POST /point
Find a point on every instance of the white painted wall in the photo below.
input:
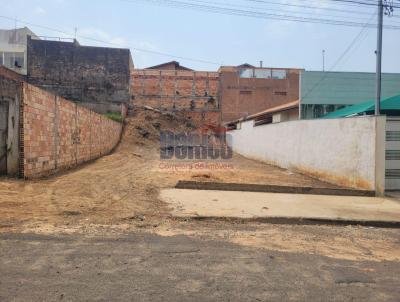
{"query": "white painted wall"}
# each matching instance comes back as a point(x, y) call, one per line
point(347, 151)
point(285, 116)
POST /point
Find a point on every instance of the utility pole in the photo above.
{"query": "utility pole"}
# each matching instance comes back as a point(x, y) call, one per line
point(387, 6)
point(323, 60)
point(379, 59)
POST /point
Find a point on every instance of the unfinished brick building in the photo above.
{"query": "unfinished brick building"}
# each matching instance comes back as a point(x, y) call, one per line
point(86, 74)
point(246, 90)
point(171, 87)
point(233, 91)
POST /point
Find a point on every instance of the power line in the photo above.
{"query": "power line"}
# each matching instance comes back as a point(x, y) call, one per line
point(361, 3)
point(356, 2)
point(356, 38)
point(249, 13)
point(338, 3)
point(287, 11)
point(222, 10)
point(110, 43)
point(360, 41)
point(311, 7)
point(316, 7)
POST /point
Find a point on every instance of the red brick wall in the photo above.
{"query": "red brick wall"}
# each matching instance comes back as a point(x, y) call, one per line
point(57, 134)
point(11, 74)
point(175, 89)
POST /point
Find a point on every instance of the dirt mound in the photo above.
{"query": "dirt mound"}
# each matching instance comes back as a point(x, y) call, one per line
point(143, 126)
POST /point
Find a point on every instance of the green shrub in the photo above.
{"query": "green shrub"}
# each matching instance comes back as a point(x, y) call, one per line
point(115, 116)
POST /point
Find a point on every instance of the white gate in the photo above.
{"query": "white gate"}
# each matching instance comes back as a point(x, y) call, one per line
point(392, 154)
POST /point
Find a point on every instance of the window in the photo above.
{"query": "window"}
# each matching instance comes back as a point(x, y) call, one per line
point(8, 59)
point(246, 73)
point(262, 73)
point(12, 59)
point(263, 120)
point(247, 92)
point(19, 60)
point(329, 108)
point(279, 74)
point(283, 93)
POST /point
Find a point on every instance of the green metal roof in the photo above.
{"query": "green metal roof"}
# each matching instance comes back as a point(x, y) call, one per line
point(392, 103)
point(344, 88)
point(389, 104)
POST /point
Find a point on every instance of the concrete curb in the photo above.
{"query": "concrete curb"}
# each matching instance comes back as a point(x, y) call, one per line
point(195, 185)
point(299, 221)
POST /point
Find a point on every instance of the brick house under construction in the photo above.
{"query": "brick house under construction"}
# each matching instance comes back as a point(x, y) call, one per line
point(214, 97)
point(172, 87)
point(245, 90)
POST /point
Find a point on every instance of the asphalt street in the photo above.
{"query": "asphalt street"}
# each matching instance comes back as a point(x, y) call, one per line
point(147, 267)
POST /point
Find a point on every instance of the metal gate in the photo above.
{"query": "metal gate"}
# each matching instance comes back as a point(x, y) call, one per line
point(3, 136)
point(392, 154)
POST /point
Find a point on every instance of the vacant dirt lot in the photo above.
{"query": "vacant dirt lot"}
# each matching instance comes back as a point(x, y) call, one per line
point(119, 193)
point(123, 185)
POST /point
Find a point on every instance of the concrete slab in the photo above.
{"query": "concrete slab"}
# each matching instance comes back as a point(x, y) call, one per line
point(248, 187)
point(272, 206)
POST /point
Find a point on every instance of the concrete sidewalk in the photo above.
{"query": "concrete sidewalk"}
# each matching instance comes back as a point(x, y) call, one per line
point(284, 207)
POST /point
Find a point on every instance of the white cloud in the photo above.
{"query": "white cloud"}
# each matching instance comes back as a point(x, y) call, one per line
point(39, 11)
point(139, 48)
point(105, 38)
point(143, 59)
point(147, 45)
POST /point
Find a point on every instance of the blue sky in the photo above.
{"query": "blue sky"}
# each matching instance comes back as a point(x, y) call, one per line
point(222, 39)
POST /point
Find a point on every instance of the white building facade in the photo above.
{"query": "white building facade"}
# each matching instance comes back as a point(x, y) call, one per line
point(13, 48)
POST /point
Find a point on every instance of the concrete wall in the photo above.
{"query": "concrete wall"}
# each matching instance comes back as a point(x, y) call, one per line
point(346, 152)
point(80, 73)
point(11, 93)
point(13, 136)
point(58, 134)
point(3, 136)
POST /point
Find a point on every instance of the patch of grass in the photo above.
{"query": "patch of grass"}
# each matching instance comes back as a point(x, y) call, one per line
point(115, 116)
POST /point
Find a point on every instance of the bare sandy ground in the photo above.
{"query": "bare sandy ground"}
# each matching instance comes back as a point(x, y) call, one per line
point(122, 185)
